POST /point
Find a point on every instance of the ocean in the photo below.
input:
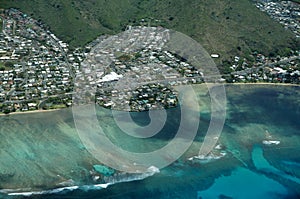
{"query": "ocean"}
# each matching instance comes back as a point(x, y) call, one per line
point(42, 152)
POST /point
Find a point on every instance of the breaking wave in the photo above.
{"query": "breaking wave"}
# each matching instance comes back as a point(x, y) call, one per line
point(118, 178)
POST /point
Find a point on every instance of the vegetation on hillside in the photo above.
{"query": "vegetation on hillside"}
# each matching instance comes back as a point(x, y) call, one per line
point(226, 27)
point(296, 1)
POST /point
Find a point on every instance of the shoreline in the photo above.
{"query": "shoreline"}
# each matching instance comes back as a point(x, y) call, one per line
point(239, 83)
point(29, 112)
point(263, 83)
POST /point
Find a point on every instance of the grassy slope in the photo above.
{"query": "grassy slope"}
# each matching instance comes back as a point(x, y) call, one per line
point(296, 1)
point(219, 25)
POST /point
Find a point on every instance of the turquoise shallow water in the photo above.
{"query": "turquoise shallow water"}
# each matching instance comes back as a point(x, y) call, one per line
point(39, 151)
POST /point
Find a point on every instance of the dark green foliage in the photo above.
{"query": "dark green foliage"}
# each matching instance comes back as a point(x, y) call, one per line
point(227, 27)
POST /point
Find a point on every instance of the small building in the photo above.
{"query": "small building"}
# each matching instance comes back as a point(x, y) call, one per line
point(215, 55)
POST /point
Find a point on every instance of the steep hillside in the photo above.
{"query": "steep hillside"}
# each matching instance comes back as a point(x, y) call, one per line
point(227, 27)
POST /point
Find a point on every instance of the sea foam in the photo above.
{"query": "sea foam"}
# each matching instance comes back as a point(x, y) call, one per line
point(119, 178)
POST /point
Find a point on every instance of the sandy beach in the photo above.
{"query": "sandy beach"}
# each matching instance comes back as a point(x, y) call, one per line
point(210, 84)
point(264, 83)
point(28, 112)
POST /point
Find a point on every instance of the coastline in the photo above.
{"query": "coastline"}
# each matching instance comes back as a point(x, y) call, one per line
point(263, 83)
point(29, 112)
point(50, 138)
point(211, 84)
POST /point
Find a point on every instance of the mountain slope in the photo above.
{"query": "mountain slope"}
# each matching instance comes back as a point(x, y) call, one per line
point(227, 27)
